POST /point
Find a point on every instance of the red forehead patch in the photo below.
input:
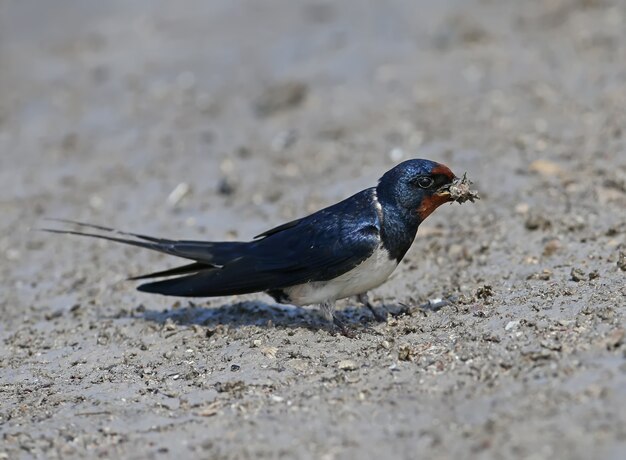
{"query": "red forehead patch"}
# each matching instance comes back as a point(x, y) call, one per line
point(442, 169)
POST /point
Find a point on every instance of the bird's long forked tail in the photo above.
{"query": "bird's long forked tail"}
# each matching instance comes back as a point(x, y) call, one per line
point(200, 251)
point(218, 268)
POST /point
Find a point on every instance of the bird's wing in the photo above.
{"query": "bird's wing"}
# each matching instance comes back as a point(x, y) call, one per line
point(278, 229)
point(303, 253)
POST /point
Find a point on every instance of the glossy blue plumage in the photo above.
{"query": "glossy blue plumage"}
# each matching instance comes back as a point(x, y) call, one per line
point(329, 245)
point(318, 247)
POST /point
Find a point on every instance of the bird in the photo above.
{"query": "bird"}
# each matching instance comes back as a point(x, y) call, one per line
point(341, 251)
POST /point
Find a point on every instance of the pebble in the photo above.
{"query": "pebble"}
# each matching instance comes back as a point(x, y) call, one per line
point(545, 168)
point(227, 186)
point(537, 222)
point(621, 261)
point(405, 353)
point(347, 365)
point(577, 274)
point(179, 192)
point(96, 201)
point(551, 247)
point(269, 352)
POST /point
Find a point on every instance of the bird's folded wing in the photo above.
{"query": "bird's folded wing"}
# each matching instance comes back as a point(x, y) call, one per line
point(295, 257)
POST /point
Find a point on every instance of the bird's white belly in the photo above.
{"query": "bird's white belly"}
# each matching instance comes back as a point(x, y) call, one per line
point(371, 273)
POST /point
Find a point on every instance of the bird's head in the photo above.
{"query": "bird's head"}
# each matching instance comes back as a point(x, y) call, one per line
point(416, 187)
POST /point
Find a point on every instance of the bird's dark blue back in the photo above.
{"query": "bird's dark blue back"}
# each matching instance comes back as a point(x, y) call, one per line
point(343, 234)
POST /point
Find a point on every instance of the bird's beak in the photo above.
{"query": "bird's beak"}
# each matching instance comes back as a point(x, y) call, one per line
point(444, 191)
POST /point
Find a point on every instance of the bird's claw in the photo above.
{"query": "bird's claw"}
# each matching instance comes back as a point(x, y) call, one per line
point(381, 317)
point(344, 329)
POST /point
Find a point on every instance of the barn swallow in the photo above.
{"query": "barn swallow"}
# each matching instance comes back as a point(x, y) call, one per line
point(340, 251)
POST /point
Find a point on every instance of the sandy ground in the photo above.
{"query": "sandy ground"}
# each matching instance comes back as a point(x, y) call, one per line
point(259, 112)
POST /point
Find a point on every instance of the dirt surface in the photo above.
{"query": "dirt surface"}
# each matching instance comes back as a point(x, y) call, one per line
point(217, 120)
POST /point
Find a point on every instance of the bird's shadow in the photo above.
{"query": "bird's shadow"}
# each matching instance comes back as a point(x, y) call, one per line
point(261, 314)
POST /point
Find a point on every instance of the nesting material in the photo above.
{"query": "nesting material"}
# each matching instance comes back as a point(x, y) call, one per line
point(461, 192)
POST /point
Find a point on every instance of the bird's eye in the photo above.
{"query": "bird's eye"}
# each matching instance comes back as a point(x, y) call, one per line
point(424, 181)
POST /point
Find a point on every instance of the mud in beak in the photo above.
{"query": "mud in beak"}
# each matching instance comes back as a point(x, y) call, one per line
point(458, 190)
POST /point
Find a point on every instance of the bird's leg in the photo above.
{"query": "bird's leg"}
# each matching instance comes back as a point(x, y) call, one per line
point(328, 311)
point(344, 329)
point(364, 299)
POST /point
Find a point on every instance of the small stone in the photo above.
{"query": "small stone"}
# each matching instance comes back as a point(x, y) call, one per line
point(567, 322)
point(227, 186)
point(484, 292)
point(434, 304)
point(53, 315)
point(621, 261)
point(96, 201)
point(543, 275)
point(210, 410)
point(347, 365)
point(522, 208)
point(545, 168)
point(577, 274)
point(405, 353)
point(537, 222)
point(235, 368)
point(179, 192)
point(512, 325)
point(269, 352)
point(551, 247)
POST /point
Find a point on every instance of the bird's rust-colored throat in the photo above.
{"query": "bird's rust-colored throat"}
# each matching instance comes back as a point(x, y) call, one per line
point(430, 203)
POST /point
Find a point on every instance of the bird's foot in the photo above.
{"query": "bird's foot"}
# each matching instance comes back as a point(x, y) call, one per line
point(344, 329)
point(378, 316)
point(381, 317)
point(352, 332)
point(404, 310)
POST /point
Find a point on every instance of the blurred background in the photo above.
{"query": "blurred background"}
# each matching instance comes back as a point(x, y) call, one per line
point(219, 119)
point(109, 106)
